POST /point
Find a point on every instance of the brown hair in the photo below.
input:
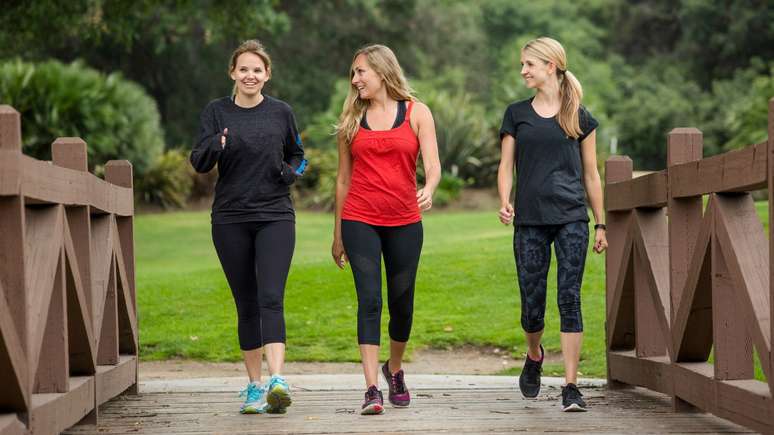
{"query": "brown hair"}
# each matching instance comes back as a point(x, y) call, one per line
point(250, 46)
point(384, 63)
point(570, 90)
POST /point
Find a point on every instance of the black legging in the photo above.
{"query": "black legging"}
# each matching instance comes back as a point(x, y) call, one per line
point(401, 246)
point(256, 258)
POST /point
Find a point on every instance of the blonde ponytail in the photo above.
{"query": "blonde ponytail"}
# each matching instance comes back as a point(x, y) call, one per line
point(570, 90)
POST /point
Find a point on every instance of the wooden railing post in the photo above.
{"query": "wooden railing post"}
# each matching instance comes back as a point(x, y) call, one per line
point(617, 168)
point(15, 393)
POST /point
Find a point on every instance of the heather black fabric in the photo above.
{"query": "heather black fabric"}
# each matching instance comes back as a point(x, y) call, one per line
point(256, 167)
point(549, 170)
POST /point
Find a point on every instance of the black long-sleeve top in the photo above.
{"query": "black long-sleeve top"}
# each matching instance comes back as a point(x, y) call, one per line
point(256, 167)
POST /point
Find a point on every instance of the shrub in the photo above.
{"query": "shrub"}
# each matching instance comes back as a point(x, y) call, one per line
point(115, 116)
point(167, 182)
point(317, 188)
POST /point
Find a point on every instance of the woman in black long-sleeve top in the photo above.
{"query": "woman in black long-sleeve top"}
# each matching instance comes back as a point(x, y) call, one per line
point(254, 141)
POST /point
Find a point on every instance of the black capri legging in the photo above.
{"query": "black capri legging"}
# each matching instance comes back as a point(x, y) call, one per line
point(401, 246)
point(532, 249)
point(256, 258)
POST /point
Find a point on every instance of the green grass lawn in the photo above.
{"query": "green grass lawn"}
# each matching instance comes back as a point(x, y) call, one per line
point(466, 292)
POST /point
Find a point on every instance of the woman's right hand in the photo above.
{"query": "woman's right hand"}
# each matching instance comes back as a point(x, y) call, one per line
point(506, 214)
point(223, 138)
point(339, 256)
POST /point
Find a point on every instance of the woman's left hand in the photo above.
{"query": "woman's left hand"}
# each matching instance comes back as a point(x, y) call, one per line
point(424, 199)
point(600, 241)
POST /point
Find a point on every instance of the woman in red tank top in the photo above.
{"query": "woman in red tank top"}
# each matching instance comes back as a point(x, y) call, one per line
point(381, 131)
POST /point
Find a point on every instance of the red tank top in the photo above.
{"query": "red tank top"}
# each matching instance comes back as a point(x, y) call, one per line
point(383, 187)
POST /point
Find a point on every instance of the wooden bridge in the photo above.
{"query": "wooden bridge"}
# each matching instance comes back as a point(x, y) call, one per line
point(686, 284)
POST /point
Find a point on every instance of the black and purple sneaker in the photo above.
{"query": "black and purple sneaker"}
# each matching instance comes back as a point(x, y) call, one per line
point(399, 395)
point(374, 403)
point(529, 380)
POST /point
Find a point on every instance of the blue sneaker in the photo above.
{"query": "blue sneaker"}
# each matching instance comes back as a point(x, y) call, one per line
point(278, 395)
point(255, 399)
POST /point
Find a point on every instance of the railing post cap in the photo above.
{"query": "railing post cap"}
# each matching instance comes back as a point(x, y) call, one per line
point(6, 109)
point(119, 172)
point(70, 152)
point(10, 128)
point(685, 130)
point(618, 158)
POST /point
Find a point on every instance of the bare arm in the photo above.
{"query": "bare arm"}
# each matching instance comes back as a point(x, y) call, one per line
point(428, 146)
point(593, 185)
point(343, 179)
point(505, 178)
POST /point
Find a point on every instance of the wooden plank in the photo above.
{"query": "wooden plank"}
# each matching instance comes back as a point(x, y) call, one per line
point(113, 380)
point(13, 369)
point(10, 172)
point(82, 347)
point(101, 249)
point(127, 316)
point(620, 315)
point(52, 368)
point(10, 425)
point(743, 243)
point(685, 214)
point(653, 373)
point(107, 353)
point(10, 128)
point(651, 267)
point(47, 183)
point(746, 402)
point(735, 171)
point(41, 254)
point(733, 349)
point(648, 191)
point(770, 163)
point(692, 326)
point(693, 384)
point(55, 412)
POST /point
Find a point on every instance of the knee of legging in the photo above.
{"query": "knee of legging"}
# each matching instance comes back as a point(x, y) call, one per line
point(272, 303)
point(369, 305)
point(248, 312)
point(569, 306)
point(532, 324)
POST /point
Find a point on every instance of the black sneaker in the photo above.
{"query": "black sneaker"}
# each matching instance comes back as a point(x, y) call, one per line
point(571, 399)
point(529, 380)
point(373, 403)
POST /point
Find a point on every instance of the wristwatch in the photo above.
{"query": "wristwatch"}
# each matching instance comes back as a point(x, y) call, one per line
point(600, 226)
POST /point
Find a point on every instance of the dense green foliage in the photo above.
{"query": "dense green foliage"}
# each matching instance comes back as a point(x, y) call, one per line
point(646, 67)
point(114, 116)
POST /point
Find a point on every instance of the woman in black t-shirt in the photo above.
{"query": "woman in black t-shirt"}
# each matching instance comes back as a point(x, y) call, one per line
point(551, 139)
point(254, 141)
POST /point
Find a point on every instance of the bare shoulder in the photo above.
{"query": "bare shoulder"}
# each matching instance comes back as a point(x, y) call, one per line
point(421, 109)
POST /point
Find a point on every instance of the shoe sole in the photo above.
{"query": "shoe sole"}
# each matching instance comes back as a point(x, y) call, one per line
point(251, 410)
point(373, 409)
point(574, 408)
point(279, 400)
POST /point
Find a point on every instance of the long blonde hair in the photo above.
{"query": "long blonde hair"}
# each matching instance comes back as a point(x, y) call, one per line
point(385, 64)
point(570, 90)
point(249, 46)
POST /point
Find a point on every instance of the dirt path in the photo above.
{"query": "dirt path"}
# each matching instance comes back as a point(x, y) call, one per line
point(461, 361)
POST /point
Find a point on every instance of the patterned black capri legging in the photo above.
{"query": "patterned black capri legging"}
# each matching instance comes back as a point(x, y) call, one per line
point(532, 250)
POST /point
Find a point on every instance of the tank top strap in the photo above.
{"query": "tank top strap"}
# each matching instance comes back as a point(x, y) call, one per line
point(408, 110)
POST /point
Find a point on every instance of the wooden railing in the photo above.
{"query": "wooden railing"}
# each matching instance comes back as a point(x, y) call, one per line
point(685, 281)
point(68, 324)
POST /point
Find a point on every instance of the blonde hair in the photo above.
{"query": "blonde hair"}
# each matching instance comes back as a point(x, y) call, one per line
point(385, 64)
point(249, 46)
point(570, 90)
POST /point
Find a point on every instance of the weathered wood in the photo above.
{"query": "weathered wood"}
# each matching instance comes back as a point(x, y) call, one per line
point(13, 368)
point(742, 241)
point(692, 325)
point(735, 171)
point(12, 265)
point(112, 380)
point(10, 129)
point(747, 402)
point(733, 346)
point(693, 383)
point(79, 320)
point(108, 338)
point(53, 413)
point(10, 425)
point(53, 369)
point(770, 164)
point(651, 372)
point(683, 145)
point(651, 272)
point(647, 191)
point(620, 313)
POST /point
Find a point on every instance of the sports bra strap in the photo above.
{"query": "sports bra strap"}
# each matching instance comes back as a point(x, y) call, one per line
point(408, 110)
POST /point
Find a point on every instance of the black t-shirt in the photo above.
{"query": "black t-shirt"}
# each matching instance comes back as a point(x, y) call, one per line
point(549, 187)
point(255, 169)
